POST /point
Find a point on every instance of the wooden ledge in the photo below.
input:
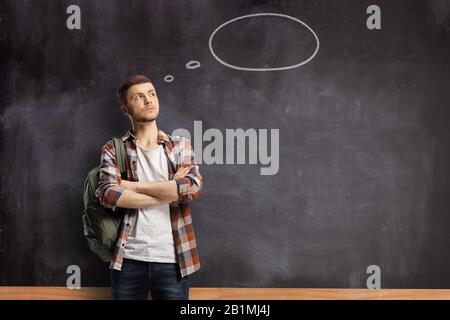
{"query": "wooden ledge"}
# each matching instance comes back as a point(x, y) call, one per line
point(104, 293)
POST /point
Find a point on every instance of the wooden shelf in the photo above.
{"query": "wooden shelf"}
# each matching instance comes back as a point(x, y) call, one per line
point(104, 293)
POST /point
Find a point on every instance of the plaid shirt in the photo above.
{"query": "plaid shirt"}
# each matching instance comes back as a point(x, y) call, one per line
point(179, 154)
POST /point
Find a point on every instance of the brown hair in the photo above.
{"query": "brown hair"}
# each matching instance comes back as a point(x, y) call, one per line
point(131, 81)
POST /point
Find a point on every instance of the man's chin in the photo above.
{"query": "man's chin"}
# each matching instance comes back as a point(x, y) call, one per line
point(145, 119)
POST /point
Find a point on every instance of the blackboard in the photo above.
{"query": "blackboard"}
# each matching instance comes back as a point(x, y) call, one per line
point(363, 175)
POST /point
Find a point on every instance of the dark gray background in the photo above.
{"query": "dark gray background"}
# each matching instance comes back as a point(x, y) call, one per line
point(364, 130)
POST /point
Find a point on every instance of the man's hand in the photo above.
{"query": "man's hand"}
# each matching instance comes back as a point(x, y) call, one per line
point(130, 185)
point(181, 172)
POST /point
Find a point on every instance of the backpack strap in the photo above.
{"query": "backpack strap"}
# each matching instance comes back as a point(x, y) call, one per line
point(120, 156)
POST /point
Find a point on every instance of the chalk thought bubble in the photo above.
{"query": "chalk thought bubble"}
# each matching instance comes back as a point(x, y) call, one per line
point(191, 65)
point(243, 68)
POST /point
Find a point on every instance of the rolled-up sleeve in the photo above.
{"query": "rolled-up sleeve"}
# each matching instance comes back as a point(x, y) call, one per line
point(190, 186)
point(109, 190)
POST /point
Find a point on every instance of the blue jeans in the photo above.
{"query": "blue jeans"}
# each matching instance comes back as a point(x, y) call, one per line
point(138, 277)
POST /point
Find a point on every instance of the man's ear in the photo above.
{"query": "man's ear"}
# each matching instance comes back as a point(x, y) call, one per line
point(124, 110)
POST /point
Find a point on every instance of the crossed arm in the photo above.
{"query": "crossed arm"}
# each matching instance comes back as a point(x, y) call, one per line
point(141, 194)
point(114, 192)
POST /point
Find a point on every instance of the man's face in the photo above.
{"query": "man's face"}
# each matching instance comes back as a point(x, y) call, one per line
point(142, 103)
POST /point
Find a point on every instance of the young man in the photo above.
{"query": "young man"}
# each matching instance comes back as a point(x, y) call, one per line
point(156, 248)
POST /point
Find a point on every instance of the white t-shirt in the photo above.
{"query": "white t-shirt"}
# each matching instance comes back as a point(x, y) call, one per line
point(152, 239)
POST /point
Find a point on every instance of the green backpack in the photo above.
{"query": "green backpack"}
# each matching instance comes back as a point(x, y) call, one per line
point(101, 224)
